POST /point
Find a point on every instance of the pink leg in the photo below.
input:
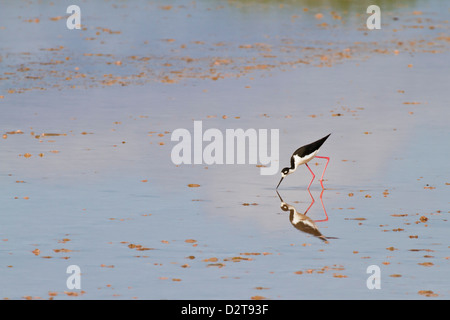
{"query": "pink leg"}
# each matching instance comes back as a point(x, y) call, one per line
point(321, 178)
point(312, 174)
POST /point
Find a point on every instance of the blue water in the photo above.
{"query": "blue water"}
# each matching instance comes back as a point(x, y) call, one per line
point(109, 183)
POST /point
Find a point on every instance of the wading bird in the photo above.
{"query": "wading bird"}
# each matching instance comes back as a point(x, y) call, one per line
point(302, 156)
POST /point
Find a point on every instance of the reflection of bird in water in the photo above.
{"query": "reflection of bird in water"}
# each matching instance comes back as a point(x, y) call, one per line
point(301, 221)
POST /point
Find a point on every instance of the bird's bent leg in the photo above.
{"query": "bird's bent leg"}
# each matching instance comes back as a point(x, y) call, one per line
point(321, 178)
point(312, 175)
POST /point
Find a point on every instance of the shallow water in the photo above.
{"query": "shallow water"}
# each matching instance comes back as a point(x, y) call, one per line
point(105, 195)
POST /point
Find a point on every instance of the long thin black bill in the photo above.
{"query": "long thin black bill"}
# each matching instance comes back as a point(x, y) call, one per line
point(279, 182)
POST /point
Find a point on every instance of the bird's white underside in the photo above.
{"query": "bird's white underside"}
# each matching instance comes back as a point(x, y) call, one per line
point(302, 160)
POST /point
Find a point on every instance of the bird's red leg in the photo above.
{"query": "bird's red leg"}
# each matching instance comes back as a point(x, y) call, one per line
point(312, 174)
point(321, 178)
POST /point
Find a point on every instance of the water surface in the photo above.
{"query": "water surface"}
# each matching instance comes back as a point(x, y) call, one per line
point(103, 193)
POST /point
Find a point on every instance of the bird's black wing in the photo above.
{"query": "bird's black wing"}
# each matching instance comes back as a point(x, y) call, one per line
point(309, 148)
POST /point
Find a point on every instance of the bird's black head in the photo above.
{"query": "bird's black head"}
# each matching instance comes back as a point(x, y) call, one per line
point(284, 172)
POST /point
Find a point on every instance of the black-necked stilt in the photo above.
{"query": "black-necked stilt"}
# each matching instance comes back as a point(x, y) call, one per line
point(302, 156)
